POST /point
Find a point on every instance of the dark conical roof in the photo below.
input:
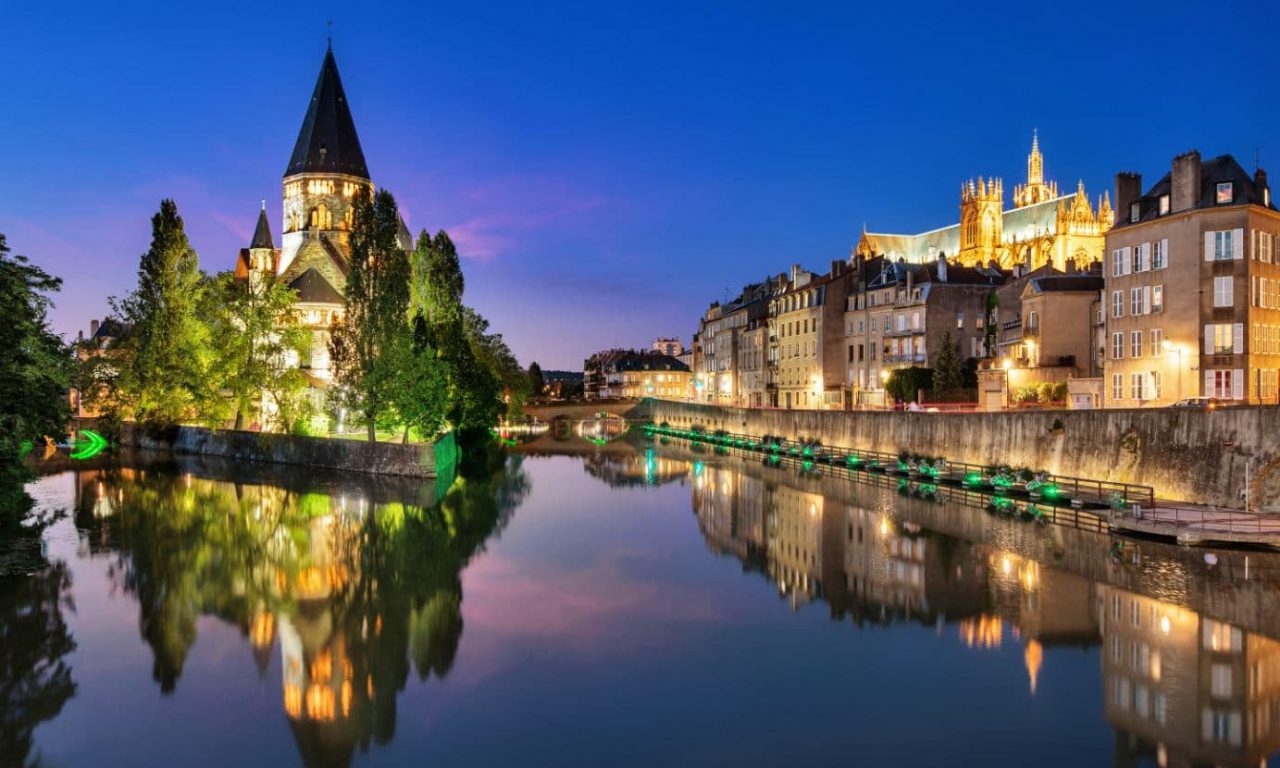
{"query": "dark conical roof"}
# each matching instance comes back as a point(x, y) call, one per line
point(327, 142)
point(262, 233)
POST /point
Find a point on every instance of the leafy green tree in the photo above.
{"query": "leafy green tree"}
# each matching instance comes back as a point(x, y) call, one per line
point(166, 378)
point(35, 369)
point(253, 322)
point(459, 335)
point(536, 382)
point(904, 384)
point(947, 378)
point(422, 390)
point(369, 349)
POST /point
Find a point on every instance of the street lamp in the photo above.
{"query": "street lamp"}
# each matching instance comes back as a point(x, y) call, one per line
point(1170, 346)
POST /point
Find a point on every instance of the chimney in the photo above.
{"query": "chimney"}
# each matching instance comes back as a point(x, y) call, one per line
point(93, 328)
point(942, 267)
point(1128, 192)
point(837, 268)
point(795, 273)
point(1185, 192)
point(911, 279)
point(1261, 188)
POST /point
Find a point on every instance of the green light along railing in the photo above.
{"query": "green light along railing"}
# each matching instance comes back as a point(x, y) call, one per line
point(1052, 489)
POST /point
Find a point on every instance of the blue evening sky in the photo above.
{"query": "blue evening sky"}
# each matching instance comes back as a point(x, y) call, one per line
point(607, 168)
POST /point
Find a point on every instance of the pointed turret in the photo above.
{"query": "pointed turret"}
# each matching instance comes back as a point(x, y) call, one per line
point(327, 142)
point(262, 233)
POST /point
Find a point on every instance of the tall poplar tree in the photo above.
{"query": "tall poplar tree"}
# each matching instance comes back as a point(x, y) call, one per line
point(457, 333)
point(166, 376)
point(372, 344)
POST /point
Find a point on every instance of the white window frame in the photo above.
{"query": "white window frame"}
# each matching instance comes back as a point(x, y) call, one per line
point(1224, 291)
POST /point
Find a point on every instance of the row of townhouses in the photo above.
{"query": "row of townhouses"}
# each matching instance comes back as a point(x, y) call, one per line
point(1174, 293)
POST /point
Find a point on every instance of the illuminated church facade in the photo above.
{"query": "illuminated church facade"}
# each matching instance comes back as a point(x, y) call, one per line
point(1043, 226)
point(326, 172)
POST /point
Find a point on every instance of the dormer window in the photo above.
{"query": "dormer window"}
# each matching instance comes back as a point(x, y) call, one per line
point(1225, 193)
point(1164, 204)
point(1135, 210)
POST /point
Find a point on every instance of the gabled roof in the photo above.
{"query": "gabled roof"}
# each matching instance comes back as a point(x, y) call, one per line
point(327, 142)
point(262, 234)
point(312, 288)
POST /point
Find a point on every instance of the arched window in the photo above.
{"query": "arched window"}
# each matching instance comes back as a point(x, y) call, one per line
point(315, 217)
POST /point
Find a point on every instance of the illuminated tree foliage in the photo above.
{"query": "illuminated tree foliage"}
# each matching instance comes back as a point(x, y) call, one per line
point(486, 378)
point(35, 371)
point(373, 345)
point(252, 321)
point(166, 373)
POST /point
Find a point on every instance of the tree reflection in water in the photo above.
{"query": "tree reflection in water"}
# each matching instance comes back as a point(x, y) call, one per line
point(35, 678)
point(357, 579)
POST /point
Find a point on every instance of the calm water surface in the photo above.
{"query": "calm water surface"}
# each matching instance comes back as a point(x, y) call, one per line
point(637, 605)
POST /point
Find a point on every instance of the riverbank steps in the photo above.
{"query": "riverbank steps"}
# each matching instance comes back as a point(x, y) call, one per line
point(413, 460)
point(1198, 456)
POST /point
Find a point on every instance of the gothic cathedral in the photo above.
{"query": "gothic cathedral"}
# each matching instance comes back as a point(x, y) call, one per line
point(1043, 227)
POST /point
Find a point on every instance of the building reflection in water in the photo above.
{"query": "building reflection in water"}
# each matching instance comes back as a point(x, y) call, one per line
point(1181, 688)
point(355, 586)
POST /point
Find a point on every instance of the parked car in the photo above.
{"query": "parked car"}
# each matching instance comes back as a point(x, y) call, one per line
point(1204, 403)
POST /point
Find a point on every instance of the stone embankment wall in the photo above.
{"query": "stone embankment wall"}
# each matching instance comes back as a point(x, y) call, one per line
point(1188, 455)
point(352, 455)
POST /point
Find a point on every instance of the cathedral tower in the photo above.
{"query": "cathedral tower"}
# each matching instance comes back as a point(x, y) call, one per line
point(325, 172)
point(1035, 190)
point(981, 222)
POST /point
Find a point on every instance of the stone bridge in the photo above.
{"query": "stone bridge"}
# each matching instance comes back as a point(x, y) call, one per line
point(631, 410)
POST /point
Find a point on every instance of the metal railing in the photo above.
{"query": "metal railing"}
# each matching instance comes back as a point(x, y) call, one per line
point(1080, 490)
point(1072, 516)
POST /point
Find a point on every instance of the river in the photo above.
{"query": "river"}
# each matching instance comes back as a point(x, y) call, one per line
point(639, 603)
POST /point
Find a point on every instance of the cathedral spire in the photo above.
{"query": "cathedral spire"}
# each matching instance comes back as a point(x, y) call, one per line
point(262, 233)
point(327, 142)
point(1035, 161)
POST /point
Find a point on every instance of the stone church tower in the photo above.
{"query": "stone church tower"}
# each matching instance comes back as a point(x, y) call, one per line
point(325, 173)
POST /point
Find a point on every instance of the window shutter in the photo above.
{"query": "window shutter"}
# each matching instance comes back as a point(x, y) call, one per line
point(1208, 339)
point(1208, 246)
point(1128, 256)
point(1237, 384)
point(1253, 245)
point(1144, 257)
point(1208, 384)
point(1237, 244)
point(1253, 290)
point(1164, 252)
point(1237, 338)
point(1146, 300)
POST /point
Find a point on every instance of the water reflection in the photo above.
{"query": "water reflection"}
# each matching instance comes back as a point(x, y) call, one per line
point(1190, 663)
point(356, 586)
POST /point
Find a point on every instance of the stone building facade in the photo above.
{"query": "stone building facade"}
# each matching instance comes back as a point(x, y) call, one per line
point(806, 338)
point(1193, 287)
point(898, 315)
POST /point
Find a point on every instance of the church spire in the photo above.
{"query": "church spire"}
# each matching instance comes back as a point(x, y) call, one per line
point(262, 233)
point(327, 142)
point(1035, 161)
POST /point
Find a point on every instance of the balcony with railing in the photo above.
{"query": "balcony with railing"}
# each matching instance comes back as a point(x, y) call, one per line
point(918, 358)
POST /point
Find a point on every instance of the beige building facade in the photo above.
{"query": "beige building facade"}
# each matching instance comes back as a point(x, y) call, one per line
point(1193, 287)
point(806, 321)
